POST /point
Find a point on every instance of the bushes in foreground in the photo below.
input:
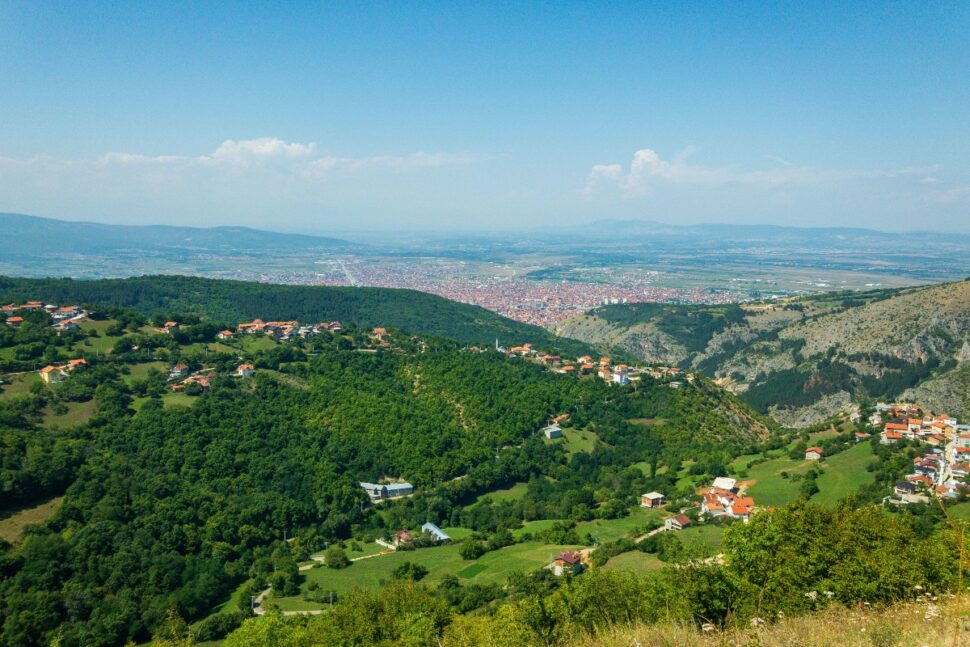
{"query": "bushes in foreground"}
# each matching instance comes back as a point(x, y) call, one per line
point(783, 564)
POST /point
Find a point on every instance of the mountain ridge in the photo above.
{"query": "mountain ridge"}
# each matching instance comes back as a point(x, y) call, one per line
point(38, 236)
point(805, 359)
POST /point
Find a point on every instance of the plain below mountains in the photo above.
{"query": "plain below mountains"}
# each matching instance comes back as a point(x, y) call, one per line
point(804, 360)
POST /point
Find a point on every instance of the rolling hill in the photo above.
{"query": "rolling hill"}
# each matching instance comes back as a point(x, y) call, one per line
point(235, 301)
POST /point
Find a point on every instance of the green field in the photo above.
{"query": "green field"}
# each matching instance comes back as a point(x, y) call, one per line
point(91, 324)
point(440, 561)
point(959, 511)
point(708, 536)
point(634, 561)
point(644, 467)
point(576, 440)
point(845, 473)
point(456, 533)
point(513, 493)
point(77, 413)
point(178, 399)
point(140, 371)
point(534, 526)
point(611, 529)
point(366, 548)
point(252, 344)
point(601, 529)
point(15, 385)
point(219, 347)
point(741, 462)
point(770, 489)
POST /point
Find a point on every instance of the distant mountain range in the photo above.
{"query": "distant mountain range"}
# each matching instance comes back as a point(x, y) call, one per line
point(35, 237)
point(832, 237)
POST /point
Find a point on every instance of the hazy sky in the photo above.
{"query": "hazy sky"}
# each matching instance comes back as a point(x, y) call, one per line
point(334, 116)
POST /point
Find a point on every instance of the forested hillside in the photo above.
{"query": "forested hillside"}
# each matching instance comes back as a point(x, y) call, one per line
point(235, 301)
point(804, 360)
point(174, 498)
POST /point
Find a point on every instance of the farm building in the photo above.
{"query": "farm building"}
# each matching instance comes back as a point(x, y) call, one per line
point(381, 491)
point(552, 431)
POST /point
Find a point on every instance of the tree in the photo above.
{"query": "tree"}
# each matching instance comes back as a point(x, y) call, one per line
point(335, 557)
point(409, 571)
point(471, 549)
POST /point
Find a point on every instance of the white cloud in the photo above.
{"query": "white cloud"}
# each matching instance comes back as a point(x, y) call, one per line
point(649, 172)
point(302, 159)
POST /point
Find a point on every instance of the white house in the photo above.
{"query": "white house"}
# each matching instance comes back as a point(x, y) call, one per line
point(724, 483)
point(676, 522)
point(652, 500)
point(552, 431)
point(813, 453)
point(437, 533)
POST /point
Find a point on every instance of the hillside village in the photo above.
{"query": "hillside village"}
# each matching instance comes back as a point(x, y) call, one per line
point(943, 467)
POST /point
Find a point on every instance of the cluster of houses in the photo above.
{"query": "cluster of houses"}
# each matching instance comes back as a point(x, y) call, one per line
point(62, 317)
point(603, 367)
point(656, 500)
point(944, 465)
point(180, 376)
point(284, 330)
point(54, 373)
point(724, 499)
point(907, 422)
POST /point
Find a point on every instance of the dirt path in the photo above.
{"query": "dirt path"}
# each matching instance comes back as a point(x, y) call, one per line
point(637, 540)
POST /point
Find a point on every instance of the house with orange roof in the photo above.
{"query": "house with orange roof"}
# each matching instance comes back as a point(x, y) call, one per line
point(568, 561)
point(15, 322)
point(814, 453)
point(890, 437)
point(244, 370)
point(75, 364)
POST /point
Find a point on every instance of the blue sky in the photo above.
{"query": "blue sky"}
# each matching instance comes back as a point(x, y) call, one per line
point(335, 116)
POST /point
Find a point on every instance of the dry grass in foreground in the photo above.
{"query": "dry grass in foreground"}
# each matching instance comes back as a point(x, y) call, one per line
point(934, 624)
